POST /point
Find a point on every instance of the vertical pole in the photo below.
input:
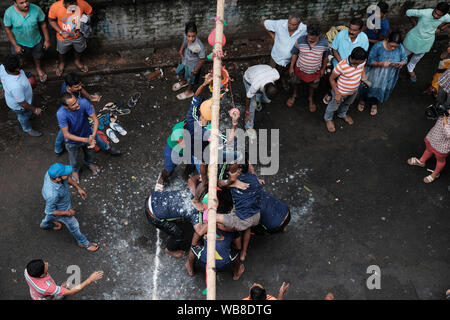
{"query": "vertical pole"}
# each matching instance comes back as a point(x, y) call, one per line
point(213, 157)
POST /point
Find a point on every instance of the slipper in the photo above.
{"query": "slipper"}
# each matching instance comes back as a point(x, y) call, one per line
point(117, 127)
point(103, 113)
point(120, 112)
point(258, 106)
point(110, 106)
point(89, 245)
point(43, 77)
point(330, 126)
point(361, 107)
point(131, 104)
point(184, 96)
point(94, 169)
point(177, 86)
point(110, 133)
point(77, 180)
point(327, 99)
point(136, 97)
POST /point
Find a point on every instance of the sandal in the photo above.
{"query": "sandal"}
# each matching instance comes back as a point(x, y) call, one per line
point(89, 246)
point(117, 127)
point(290, 102)
point(429, 179)
point(361, 107)
point(184, 96)
point(136, 97)
point(159, 186)
point(177, 86)
point(76, 179)
point(373, 110)
point(111, 134)
point(415, 162)
point(94, 169)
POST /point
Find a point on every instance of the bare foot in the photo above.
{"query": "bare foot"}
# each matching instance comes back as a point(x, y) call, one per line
point(242, 256)
point(312, 106)
point(175, 254)
point(189, 268)
point(240, 272)
point(57, 226)
point(59, 69)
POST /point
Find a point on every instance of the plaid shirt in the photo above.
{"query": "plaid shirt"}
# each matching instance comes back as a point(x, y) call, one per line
point(444, 81)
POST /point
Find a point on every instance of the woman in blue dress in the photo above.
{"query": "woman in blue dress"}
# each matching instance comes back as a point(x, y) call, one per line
point(386, 58)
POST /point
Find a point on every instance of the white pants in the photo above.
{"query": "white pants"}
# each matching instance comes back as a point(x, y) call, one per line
point(414, 59)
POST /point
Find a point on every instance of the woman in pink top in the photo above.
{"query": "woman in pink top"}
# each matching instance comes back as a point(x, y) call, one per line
point(437, 143)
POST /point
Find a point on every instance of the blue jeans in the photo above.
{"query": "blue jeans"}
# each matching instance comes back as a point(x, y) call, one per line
point(71, 224)
point(74, 152)
point(24, 118)
point(341, 108)
point(169, 165)
point(59, 143)
point(259, 97)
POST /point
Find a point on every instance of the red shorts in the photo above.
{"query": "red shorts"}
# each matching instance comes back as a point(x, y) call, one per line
point(310, 78)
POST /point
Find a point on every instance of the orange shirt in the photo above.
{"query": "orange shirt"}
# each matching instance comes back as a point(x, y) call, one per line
point(69, 18)
point(349, 77)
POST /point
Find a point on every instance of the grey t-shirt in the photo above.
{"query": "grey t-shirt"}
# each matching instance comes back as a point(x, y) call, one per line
point(193, 53)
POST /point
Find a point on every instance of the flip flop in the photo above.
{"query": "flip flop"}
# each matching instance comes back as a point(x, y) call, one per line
point(120, 112)
point(117, 127)
point(136, 97)
point(77, 180)
point(177, 86)
point(131, 104)
point(184, 96)
point(110, 106)
point(110, 133)
point(94, 169)
point(373, 110)
point(89, 245)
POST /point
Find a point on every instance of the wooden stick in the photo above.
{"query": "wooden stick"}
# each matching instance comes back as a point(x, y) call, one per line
point(213, 156)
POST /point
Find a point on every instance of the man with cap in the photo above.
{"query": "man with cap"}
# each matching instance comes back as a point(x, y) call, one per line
point(58, 204)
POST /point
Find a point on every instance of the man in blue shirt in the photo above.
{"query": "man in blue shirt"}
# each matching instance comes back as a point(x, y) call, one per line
point(275, 215)
point(22, 21)
point(72, 84)
point(344, 43)
point(73, 120)
point(18, 93)
point(58, 205)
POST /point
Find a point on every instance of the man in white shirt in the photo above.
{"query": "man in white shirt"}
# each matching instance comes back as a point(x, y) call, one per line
point(284, 34)
point(259, 86)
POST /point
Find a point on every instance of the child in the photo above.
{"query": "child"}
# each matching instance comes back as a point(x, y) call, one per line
point(192, 54)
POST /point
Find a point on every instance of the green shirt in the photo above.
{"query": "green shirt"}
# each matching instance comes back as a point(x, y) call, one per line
point(25, 29)
point(175, 136)
point(420, 39)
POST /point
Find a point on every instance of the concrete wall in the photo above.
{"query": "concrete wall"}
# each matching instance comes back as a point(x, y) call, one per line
point(144, 23)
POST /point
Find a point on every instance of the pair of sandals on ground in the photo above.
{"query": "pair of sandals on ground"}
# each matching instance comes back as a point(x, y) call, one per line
point(184, 95)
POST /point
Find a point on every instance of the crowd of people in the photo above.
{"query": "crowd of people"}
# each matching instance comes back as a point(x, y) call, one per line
point(365, 64)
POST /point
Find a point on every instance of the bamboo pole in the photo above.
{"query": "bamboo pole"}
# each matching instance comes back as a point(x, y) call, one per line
point(212, 169)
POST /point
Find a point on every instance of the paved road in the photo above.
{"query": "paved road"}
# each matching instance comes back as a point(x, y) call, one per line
point(354, 202)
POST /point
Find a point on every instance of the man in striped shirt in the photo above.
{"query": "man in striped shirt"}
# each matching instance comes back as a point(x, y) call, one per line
point(345, 80)
point(308, 63)
point(43, 287)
